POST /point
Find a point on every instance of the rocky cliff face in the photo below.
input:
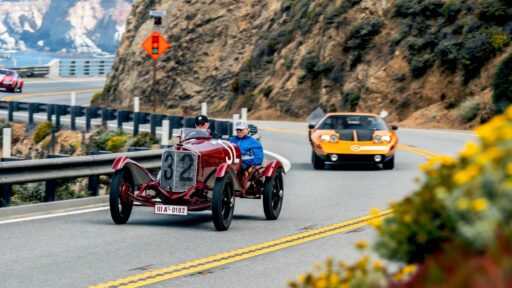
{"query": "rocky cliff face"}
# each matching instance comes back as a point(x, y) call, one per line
point(64, 25)
point(425, 62)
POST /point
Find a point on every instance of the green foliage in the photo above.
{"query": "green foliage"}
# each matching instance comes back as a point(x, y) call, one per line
point(502, 85)
point(362, 33)
point(420, 64)
point(468, 110)
point(44, 129)
point(116, 143)
point(494, 11)
point(451, 10)
point(98, 139)
point(288, 63)
point(144, 139)
point(267, 91)
point(448, 54)
point(27, 193)
point(499, 39)
point(476, 51)
point(351, 100)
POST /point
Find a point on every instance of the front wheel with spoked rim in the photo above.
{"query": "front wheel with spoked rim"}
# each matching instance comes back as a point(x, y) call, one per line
point(120, 202)
point(273, 192)
point(223, 202)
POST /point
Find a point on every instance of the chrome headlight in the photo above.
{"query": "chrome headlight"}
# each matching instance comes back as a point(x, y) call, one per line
point(325, 138)
point(334, 138)
point(386, 138)
point(377, 139)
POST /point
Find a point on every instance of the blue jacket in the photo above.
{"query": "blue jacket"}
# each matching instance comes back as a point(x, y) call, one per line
point(252, 151)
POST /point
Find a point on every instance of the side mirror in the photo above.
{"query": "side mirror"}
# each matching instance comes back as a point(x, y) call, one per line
point(311, 126)
point(394, 127)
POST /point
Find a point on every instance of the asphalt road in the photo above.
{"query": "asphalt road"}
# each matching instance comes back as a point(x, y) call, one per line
point(86, 249)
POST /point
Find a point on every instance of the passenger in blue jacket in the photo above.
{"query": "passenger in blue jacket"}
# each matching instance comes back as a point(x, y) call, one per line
point(252, 151)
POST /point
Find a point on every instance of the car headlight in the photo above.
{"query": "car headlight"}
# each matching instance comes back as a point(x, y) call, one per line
point(7, 82)
point(325, 138)
point(383, 138)
point(386, 138)
point(334, 138)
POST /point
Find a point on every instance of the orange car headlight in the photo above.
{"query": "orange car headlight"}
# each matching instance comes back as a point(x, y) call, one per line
point(382, 139)
point(328, 138)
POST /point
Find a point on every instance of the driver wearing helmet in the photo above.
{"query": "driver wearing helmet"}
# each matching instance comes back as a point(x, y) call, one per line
point(202, 123)
point(251, 149)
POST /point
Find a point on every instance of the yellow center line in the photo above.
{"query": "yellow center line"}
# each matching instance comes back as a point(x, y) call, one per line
point(10, 98)
point(240, 254)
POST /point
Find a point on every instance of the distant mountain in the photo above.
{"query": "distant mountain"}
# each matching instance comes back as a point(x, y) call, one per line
point(82, 26)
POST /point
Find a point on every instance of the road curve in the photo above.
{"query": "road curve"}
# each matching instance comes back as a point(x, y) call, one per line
point(79, 250)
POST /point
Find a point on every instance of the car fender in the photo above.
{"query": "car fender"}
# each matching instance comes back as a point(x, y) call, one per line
point(140, 174)
point(272, 167)
point(224, 169)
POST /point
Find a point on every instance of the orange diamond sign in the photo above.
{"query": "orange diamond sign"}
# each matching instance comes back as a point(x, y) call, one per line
point(155, 45)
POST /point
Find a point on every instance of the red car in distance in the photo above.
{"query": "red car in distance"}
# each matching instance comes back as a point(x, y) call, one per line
point(10, 80)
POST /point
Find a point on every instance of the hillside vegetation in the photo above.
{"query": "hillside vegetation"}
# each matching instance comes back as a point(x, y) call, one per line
point(428, 62)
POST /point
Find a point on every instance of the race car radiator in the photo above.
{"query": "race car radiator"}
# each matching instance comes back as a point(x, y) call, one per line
point(179, 170)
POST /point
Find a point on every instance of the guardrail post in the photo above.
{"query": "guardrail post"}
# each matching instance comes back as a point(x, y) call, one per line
point(190, 122)
point(72, 116)
point(244, 114)
point(136, 121)
point(236, 117)
point(155, 121)
point(10, 111)
point(93, 185)
point(165, 133)
point(6, 145)
point(204, 109)
point(5, 194)
point(32, 108)
point(50, 108)
point(176, 123)
point(50, 190)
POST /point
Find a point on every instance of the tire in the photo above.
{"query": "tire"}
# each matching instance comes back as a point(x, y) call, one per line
point(120, 204)
point(318, 163)
point(390, 164)
point(273, 192)
point(223, 203)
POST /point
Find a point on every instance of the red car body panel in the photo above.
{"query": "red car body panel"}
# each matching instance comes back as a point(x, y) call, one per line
point(10, 80)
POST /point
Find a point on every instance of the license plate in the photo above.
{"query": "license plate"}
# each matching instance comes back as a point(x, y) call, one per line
point(171, 210)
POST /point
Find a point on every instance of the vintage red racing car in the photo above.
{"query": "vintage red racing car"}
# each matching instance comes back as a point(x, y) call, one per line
point(10, 80)
point(197, 174)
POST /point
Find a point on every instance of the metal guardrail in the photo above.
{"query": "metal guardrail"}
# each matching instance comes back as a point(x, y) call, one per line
point(51, 170)
point(33, 71)
point(55, 111)
point(69, 67)
point(85, 67)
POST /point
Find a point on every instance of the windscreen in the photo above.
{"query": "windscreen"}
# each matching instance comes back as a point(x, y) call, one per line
point(353, 122)
point(192, 133)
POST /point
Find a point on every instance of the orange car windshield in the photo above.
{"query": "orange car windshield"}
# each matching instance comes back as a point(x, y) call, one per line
point(352, 122)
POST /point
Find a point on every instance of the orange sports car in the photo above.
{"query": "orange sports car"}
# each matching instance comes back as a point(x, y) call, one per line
point(352, 138)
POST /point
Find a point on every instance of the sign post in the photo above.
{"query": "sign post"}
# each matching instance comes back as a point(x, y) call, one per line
point(155, 45)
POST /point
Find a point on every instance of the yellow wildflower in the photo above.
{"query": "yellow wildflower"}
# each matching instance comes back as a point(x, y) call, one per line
point(469, 150)
point(341, 264)
point(407, 218)
point(494, 153)
point(409, 269)
point(320, 283)
point(363, 262)
point(467, 174)
point(429, 165)
point(361, 244)
point(446, 160)
point(508, 112)
point(509, 169)
point(377, 265)
point(479, 204)
point(374, 212)
point(463, 203)
point(302, 278)
point(334, 279)
point(375, 222)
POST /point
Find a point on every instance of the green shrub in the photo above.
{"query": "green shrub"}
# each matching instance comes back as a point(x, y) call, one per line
point(362, 33)
point(476, 51)
point(448, 54)
point(351, 100)
point(502, 85)
point(494, 11)
point(27, 193)
point(420, 65)
point(116, 143)
point(144, 139)
point(44, 129)
point(468, 110)
point(451, 10)
point(267, 91)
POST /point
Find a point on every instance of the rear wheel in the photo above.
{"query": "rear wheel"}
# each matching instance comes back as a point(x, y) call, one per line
point(389, 164)
point(120, 202)
point(223, 203)
point(273, 192)
point(318, 163)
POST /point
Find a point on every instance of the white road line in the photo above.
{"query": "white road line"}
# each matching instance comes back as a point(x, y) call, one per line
point(53, 215)
point(469, 133)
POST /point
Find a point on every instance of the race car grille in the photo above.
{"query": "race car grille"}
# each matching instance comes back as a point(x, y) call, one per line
point(364, 135)
point(351, 158)
point(179, 170)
